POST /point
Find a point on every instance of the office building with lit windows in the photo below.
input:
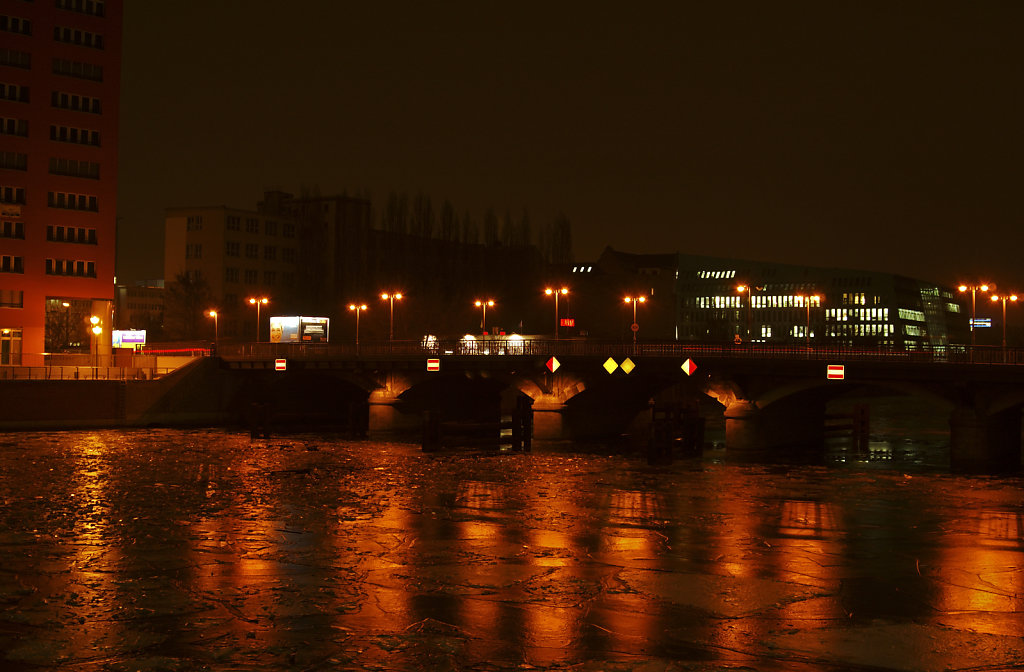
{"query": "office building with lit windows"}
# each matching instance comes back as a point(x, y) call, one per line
point(60, 63)
point(721, 300)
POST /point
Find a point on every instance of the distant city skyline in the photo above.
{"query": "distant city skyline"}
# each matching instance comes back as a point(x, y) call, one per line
point(874, 137)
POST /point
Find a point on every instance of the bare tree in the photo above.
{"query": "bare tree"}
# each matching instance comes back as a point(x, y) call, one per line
point(185, 299)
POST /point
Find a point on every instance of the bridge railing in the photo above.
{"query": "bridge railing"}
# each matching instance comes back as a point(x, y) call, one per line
point(500, 346)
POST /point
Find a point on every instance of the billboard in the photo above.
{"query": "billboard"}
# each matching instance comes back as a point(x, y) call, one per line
point(299, 329)
point(127, 338)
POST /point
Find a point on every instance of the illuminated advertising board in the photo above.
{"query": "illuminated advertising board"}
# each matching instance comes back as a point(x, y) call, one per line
point(128, 338)
point(299, 329)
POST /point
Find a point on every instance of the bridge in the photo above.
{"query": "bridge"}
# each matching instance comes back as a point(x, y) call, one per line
point(774, 398)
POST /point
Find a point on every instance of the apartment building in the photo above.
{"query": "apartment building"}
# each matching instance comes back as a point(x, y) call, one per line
point(59, 90)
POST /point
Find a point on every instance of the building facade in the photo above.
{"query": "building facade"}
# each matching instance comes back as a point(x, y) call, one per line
point(233, 255)
point(720, 300)
point(59, 88)
point(315, 255)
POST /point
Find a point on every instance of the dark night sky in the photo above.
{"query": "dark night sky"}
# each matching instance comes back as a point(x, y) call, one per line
point(876, 135)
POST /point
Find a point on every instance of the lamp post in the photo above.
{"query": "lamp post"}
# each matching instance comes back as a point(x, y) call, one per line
point(96, 331)
point(808, 300)
point(258, 301)
point(555, 293)
point(67, 325)
point(635, 300)
point(747, 289)
point(357, 308)
point(483, 319)
point(216, 328)
point(974, 297)
point(391, 298)
point(1004, 299)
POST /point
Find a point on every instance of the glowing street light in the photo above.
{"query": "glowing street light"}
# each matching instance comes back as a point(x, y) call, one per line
point(391, 298)
point(97, 329)
point(555, 293)
point(974, 289)
point(483, 305)
point(216, 329)
point(357, 308)
point(635, 300)
point(67, 325)
point(1004, 299)
point(747, 289)
point(258, 302)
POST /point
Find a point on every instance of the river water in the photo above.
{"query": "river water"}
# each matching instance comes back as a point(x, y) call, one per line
point(205, 549)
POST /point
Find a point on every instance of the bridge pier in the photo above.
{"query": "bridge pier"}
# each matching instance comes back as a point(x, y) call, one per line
point(548, 419)
point(983, 442)
point(753, 433)
point(385, 420)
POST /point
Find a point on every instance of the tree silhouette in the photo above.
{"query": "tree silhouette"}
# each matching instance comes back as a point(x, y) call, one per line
point(185, 300)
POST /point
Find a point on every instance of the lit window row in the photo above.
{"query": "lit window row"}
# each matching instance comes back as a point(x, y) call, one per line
point(857, 314)
point(716, 275)
point(910, 314)
point(839, 330)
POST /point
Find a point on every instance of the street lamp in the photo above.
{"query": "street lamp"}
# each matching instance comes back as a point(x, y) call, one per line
point(483, 319)
point(974, 296)
point(216, 329)
point(634, 300)
point(357, 309)
point(96, 331)
point(1004, 299)
point(258, 302)
point(555, 293)
point(392, 297)
point(67, 326)
point(807, 301)
point(747, 289)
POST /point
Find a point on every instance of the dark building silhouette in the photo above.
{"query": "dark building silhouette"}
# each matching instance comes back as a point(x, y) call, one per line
point(314, 255)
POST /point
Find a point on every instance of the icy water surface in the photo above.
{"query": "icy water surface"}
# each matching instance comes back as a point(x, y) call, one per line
point(203, 549)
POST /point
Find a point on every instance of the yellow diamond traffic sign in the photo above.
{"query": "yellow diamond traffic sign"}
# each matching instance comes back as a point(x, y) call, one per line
point(610, 365)
point(627, 365)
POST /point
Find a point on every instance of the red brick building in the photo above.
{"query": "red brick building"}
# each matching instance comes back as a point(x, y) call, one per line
point(60, 71)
